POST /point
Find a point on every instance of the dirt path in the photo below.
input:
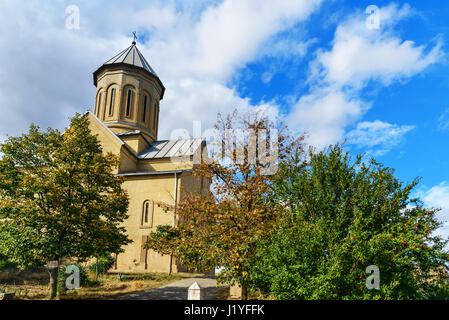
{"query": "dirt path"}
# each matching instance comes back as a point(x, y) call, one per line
point(178, 290)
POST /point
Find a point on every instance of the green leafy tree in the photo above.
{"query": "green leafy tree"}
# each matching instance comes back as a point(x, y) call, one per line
point(59, 198)
point(341, 217)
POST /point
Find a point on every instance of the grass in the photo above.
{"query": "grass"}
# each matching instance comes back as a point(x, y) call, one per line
point(109, 287)
point(33, 284)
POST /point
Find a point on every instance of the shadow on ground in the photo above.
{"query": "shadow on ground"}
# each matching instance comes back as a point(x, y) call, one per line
point(178, 290)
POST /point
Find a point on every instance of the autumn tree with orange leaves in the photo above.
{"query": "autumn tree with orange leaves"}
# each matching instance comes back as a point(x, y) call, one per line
point(220, 228)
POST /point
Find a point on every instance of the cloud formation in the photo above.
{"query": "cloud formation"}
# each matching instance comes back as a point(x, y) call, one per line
point(194, 46)
point(438, 197)
point(197, 47)
point(358, 56)
point(382, 136)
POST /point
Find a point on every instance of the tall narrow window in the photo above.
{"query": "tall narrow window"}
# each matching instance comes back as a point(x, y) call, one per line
point(144, 108)
point(147, 207)
point(111, 103)
point(128, 103)
point(99, 104)
point(147, 214)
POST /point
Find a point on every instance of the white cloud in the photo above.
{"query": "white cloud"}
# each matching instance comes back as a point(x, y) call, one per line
point(438, 197)
point(230, 34)
point(377, 134)
point(193, 99)
point(358, 55)
point(443, 232)
point(355, 60)
point(324, 114)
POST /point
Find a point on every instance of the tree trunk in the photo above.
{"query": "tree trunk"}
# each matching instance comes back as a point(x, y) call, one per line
point(96, 269)
point(170, 268)
point(244, 293)
point(53, 272)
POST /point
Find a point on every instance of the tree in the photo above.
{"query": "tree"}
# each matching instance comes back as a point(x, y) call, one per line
point(102, 264)
point(59, 198)
point(342, 217)
point(219, 228)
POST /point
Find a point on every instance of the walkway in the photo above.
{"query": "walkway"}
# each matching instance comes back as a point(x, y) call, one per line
point(178, 290)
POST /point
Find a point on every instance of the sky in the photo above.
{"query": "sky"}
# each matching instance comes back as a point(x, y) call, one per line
point(372, 73)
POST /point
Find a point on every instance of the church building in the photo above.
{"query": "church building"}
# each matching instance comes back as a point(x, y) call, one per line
point(125, 119)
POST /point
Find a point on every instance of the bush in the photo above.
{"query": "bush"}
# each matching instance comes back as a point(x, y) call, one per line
point(103, 264)
point(62, 277)
point(4, 263)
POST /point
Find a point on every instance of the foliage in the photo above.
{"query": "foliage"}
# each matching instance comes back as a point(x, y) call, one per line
point(103, 264)
point(4, 263)
point(343, 217)
point(106, 288)
point(59, 197)
point(219, 228)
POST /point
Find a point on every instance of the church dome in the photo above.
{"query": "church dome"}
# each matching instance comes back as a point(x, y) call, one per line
point(128, 95)
point(131, 56)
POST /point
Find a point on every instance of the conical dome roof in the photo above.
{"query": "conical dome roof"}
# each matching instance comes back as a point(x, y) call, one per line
point(130, 56)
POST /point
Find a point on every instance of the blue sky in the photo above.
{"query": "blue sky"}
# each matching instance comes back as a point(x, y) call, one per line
point(419, 101)
point(314, 63)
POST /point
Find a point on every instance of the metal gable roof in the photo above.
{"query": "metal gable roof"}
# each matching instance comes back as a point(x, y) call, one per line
point(170, 148)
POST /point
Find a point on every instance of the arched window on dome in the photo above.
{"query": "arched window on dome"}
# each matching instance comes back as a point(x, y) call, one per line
point(111, 102)
point(98, 104)
point(129, 99)
point(144, 112)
